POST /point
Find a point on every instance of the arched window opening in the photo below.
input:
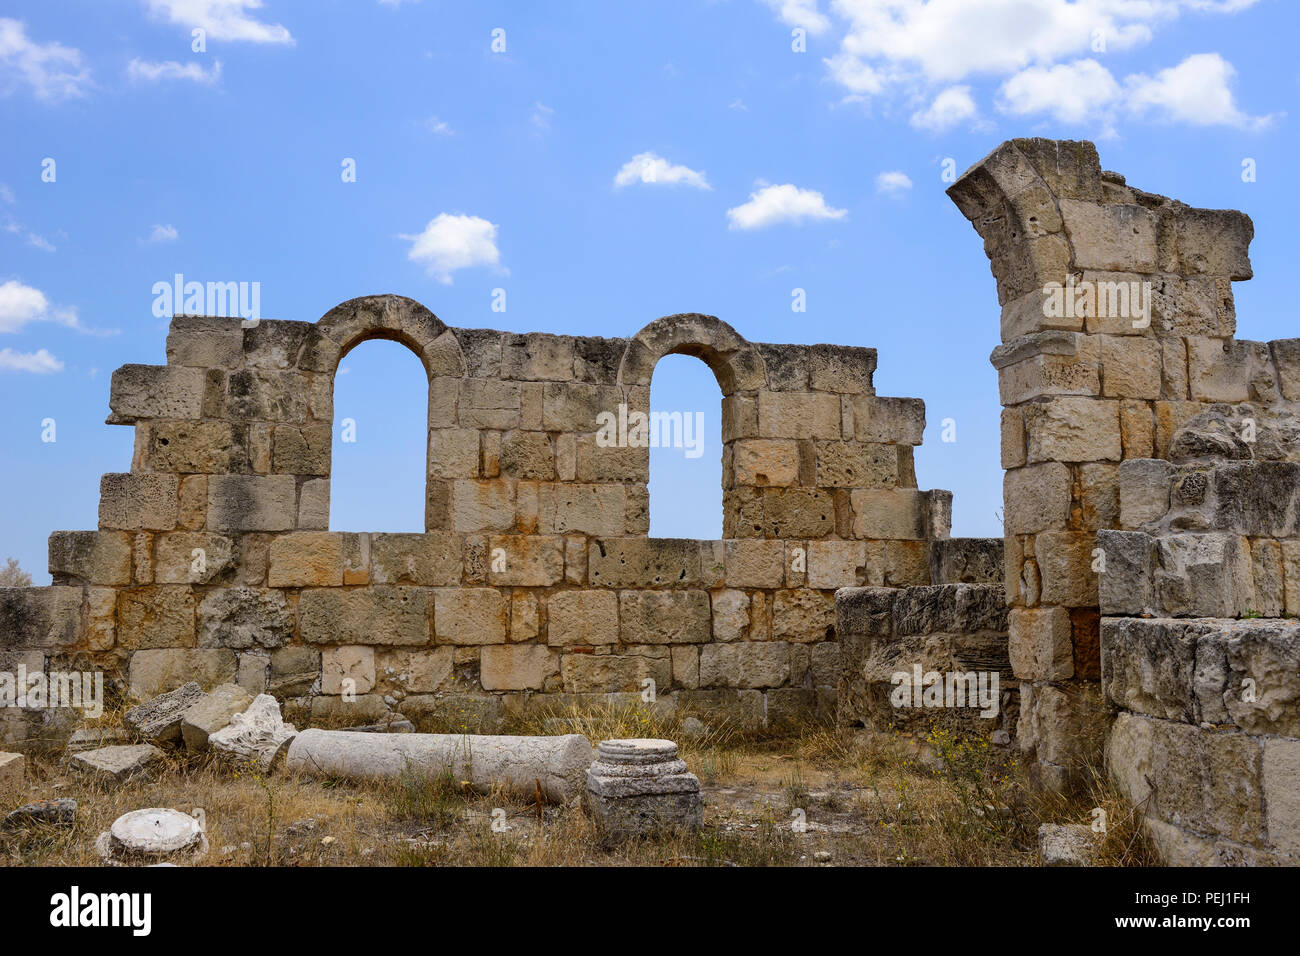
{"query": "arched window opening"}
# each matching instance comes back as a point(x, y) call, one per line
point(380, 442)
point(685, 450)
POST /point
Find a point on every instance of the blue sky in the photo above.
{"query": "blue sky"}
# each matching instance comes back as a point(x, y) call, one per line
point(614, 163)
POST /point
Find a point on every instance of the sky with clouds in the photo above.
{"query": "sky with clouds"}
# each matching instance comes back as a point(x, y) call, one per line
point(593, 166)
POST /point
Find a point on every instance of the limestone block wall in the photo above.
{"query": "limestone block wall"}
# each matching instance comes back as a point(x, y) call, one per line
point(1117, 329)
point(535, 575)
point(958, 625)
point(1201, 654)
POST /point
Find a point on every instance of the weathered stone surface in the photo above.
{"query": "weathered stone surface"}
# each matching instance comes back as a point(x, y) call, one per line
point(803, 615)
point(347, 669)
point(613, 673)
point(1204, 575)
point(525, 561)
point(421, 559)
point(631, 562)
point(1073, 428)
point(517, 666)
point(211, 713)
point(306, 559)
point(159, 721)
point(151, 835)
point(1040, 643)
point(966, 561)
point(470, 616)
point(664, 617)
point(588, 617)
point(640, 787)
point(44, 813)
point(241, 618)
point(745, 664)
point(91, 557)
point(117, 764)
point(258, 735)
point(138, 502)
point(252, 502)
point(378, 615)
point(1204, 780)
point(1037, 498)
point(1068, 844)
point(39, 617)
point(162, 669)
point(516, 764)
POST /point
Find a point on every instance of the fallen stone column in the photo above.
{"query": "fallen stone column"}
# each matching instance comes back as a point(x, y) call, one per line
point(518, 764)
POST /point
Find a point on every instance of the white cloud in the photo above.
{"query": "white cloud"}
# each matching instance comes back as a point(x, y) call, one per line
point(738, 104)
point(164, 233)
point(222, 19)
point(16, 228)
point(952, 106)
point(801, 13)
point(910, 51)
point(452, 242)
point(1070, 92)
point(653, 169)
point(1197, 91)
point(786, 203)
point(39, 362)
point(144, 71)
point(893, 183)
point(438, 127)
point(53, 71)
point(22, 304)
point(541, 116)
point(6, 194)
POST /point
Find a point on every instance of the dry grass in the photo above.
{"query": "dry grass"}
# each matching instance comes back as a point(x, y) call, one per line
point(820, 796)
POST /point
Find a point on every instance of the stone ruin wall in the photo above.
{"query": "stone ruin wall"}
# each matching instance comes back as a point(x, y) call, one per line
point(1151, 552)
point(1171, 452)
point(535, 580)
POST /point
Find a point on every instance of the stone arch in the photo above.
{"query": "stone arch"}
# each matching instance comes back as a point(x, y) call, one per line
point(735, 363)
point(395, 318)
point(392, 317)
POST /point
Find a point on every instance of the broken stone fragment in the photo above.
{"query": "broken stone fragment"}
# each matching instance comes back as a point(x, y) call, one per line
point(92, 738)
point(1067, 844)
point(211, 713)
point(117, 764)
point(641, 787)
point(50, 813)
point(258, 734)
point(397, 726)
point(152, 836)
point(158, 721)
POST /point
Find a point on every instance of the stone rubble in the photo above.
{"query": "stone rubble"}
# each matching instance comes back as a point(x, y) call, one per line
point(55, 813)
point(117, 764)
point(159, 720)
point(257, 735)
